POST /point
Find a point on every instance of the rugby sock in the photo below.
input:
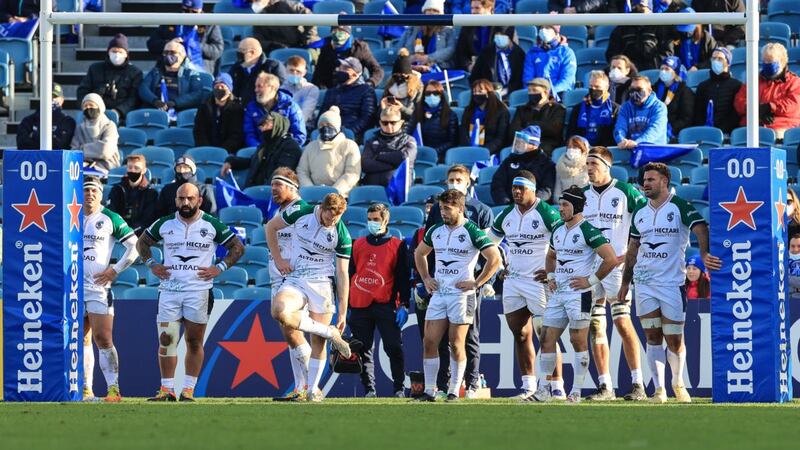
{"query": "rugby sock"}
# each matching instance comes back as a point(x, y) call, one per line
point(548, 361)
point(677, 361)
point(430, 367)
point(656, 359)
point(309, 325)
point(457, 375)
point(299, 358)
point(605, 379)
point(88, 365)
point(529, 382)
point(109, 364)
point(636, 376)
point(189, 382)
point(315, 369)
point(168, 383)
point(557, 385)
point(580, 367)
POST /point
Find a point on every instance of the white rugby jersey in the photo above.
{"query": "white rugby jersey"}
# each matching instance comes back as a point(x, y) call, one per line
point(313, 245)
point(574, 247)
point(663, 236)
point(189, 248)
point(100, 231)
point(457, 250)
point(610, 211)
point(527, 236)
point(284, 242)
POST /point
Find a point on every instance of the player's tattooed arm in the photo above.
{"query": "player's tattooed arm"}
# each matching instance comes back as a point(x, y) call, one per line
point(630, 261)
point(235, 251)
point(143, 246)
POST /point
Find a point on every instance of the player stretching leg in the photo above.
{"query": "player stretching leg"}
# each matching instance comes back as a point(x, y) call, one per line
point(656, 263)
point(457, 242)
point(101, 228)
point(574, 246)
point(318, 237)
point(185, 294)
point(609, 206)
point(526, 225)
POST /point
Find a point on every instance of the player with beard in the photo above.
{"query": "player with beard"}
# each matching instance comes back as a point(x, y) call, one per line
point(187, 275)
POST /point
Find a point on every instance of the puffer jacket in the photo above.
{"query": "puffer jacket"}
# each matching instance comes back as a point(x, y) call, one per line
point(191, 91)
point(783, 96)
point(211, 43)
point(557, 64)
point(639, 43)
point(722, 89)
point(357, 106)
point(286, 107)
point(384, 154)
point(328, 62)
point(445, 45)
point(118, 85)
point(244, 80)
point(434, 134)
point(336, 163)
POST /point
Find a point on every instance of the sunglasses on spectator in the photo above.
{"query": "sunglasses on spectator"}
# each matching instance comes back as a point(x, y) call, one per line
point(389, 122)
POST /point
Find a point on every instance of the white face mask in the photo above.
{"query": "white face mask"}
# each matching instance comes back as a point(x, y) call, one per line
point(458, 186)
point(616, 75)
point(573, 153)
point(117, 58)
point(257, 7)
point(399, 90)
point(794, 257)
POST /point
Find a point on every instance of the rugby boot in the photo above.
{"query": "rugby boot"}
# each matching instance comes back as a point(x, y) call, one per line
point(681, 394)
point(558, 395)
point(88, 395)
point(452, 398)
point(541, 395)
point(603, 394)
point(113, 395)
point(338, 343)
point(164, 395)
point(574, 397)
point(187, 395)
point(315, 397)
point(636, 394)
point(425, 397)
point(660, 396)
point(524, 396)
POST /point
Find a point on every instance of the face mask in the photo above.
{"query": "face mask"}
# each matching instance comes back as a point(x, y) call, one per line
point(794, 257)
point(534, 98)
point(457, 186)
point(219, 94)
point(616, 75)
point(399, 90)
point(327, 133)
point(480, 99)
point(637, 96)
point(133, 177)
point(374, 228)
point(294, 79)
point(433, 100)
point(339, 38)
point(117, 58)
point(717, 66)
point(170, 60)
point(547, 35)
point(595, 94)
point(91, 113)
point(239, 57)
point(56, 106)
point(183, 176)
point(665, 76)
point(341, 77)
point(770, 70)
point(573, 153)
point(501, 40)
point(257, 7)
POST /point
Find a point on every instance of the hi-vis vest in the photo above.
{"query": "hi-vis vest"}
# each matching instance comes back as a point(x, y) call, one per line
point(373, 281)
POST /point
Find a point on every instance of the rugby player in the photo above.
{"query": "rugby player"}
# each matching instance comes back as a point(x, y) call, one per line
point(655, 262)
point(185, 293)
point(457, 243)
point(319, 237)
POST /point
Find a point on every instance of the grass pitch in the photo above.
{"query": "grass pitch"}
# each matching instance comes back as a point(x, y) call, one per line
point(394, 423)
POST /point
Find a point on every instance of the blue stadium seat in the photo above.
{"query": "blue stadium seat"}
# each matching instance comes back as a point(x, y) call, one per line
point(178, 139)
point(785, 11)
point(141, 293)
point(699, 176)
point(148, 120)
point(186, 119)
point(775, 32)
point(577, 36)
point(139, 264)
point(527, 31)
point(531, 7)
point(151, 280)
point(21, 53)
point(128, 278)
point(652, 74)
point(436, 175)
point(791, 139)
point(459, 112)
point(315, 194)
point(227, 7)
point(228, 58)
point(253, 294)
point(6, 77)
point(355, 215)
point(207, 84)
point(619, 156)
point(557, 152)
point(355, 230)
point(692, 193)
point(283, 54)
point(157, 157)
point(693, 79)
point(376, 6)
point(574, 96)
point(484, 193)
point(676, 176)
point(385, 56)
point(518, 97)
point(208, 158)
point(486, 174)
point(619, 172)
point(366, 195)
point(426, 157)
point(242, 216)
point(368, 34)
point(258, 237)
point(465, 155)
point(130, 139)
point(246, 152)
point(706, 138)
point(259, 192)
point(254, 258)
point(229, 281)
point(504, 153)
point(689, 161)
point(463, 99)
point(418, 193)
point(262, 278)
point(766, 137)
point(406, 219)
point(602, 34)
point(589, 59)
point(333, 7)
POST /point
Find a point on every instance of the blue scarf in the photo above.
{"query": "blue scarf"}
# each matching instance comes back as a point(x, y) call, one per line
point(591, 117)
point(503, 66)
point(191, 40)
point(479, 114)
point(430, 47)
point(690, 52)
point(347, 45)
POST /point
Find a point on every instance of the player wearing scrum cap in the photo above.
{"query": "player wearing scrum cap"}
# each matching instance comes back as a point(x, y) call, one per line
point(319, 237)
point(101, 229)
point(574, 245)
point(526, 226)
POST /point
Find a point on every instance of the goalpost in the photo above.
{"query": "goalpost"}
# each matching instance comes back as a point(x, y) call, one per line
point(49, 19)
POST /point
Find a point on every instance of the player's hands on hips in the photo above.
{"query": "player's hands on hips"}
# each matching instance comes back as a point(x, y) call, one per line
point(467, 285)
point(430, 284)
point(540, 276)
point(579, 283)
point(106, 276)
point(623, 293)
point(283, 266)
point(208, 273)
point(712, 262)
point(160, 271)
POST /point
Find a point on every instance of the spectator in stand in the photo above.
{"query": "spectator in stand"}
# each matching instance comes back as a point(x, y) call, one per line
point(571, 166)
point(185, 172)
point(429, 45)
point(698, 285)
point(274, 37)
point(184, 86)
point(472, 40)
point(721, 88)
point(202, 43)
point(438, 123)
point(620, 72)
point(577, 6)
point(594, 117)
point(544, 112)
point(404, 88)
point(384, 152)
point(693, 46)
point(134, 198)
point(96, 135)
point(353, 97)
point(679, 98)
point(794, 266)
point(668, 33)
point(500, 62)
point(778, 92)
point(525, 155)
point(277, 149)
point(13, 11)
point(218, 121)
point(269, 97)
point(792, 212)
point(725, 35)
point(638, 42)
point(250, 62)
point(339, 46)
point(485, 120)
point(551, 59)
point(331, 159)
point(305, 94)
point(115, 79)
point(643, 118)
point(63, 126)
point(464, 7)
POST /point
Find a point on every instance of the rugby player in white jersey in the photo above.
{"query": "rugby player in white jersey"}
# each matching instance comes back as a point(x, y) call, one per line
point(655, 262)
point(319, 240)
point(190, 239)
point(609, 206)
point(574, 246)
point(101, 229)
point(457, 243)
point(285, 187)
point(526, 226)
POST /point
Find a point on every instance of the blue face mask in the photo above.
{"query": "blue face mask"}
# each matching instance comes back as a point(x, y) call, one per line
point(717, 66)
point(433, 101)
point(501, 40)
point(770, 70)
point(294, 79)
point(374, 228)
point(665, 76)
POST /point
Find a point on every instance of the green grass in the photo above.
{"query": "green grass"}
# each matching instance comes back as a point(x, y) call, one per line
point(393, 423)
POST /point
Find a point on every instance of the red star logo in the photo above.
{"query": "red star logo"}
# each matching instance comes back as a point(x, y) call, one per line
point(33, 212)
point(255, 355)
point(741, 210)
point(74, 212)
point(780, 207)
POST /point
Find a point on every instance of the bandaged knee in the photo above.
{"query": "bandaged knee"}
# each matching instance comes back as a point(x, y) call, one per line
point(650, 323)
point(619, 310)
point(597, 325)
point(672, 329)
point(171, 332)
point(538, 325)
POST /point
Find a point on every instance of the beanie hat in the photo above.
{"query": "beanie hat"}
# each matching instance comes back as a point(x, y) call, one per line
point(352, 63)
point(696, 261)
point(726, 53)
point(118, 41)
point(96, 99)
point(193, 4)
point(534, 134)
point(332, 118)
point(187, 160)
point(225, 79)
point(402, 64)
point(673, 62)
point(437, 5)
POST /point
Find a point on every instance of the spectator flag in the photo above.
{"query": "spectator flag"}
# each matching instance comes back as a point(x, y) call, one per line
point(397, 189)
point(173, 117)
point(23, 30)
point(228, 194)
point(493, 160)
point(390, 31)
point(645, 153)
point(418, 135)
point(475, 136)
point(92, 6)
point(627, 6)
point(710, 113)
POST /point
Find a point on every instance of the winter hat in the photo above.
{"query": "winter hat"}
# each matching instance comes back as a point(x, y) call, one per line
point(352, 63)
point(346, 28)
point(96, 99)
point(673, 62)
point(696, 261)
point(686, 28)
point(648, 3)
point(437, 5)
point(331, 117)
point(193, 4)
point(402, 64)
point(725, 52)
point(225, 79)
point(118, 41)
point(187, 160)
point(534, 134)
point(542, 82)
point(57, 90)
